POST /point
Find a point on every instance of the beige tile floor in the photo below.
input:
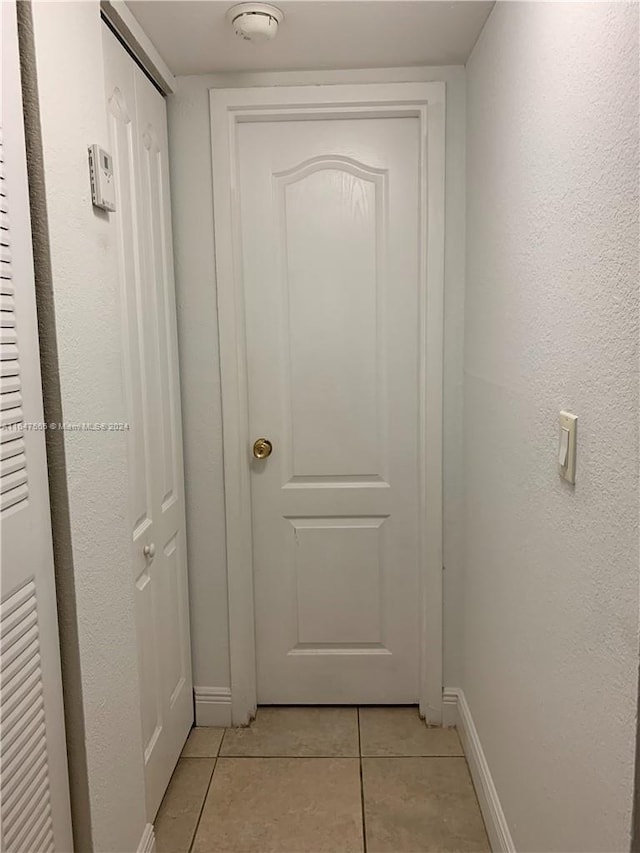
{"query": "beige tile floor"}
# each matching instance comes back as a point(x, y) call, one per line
point(322, 780)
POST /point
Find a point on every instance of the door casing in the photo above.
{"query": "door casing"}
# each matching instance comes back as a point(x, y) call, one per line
point(229, 107)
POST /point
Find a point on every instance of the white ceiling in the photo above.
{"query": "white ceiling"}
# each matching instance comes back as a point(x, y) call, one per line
point(193, 37)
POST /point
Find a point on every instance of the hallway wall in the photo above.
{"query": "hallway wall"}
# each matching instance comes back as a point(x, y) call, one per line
point(189, 135)
point(550, 633)
point(79, 318)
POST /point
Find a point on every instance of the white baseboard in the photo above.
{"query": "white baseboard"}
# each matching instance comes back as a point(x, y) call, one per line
point(456, 709)
point(213, 706)
point(148, 840)
point(449, 707)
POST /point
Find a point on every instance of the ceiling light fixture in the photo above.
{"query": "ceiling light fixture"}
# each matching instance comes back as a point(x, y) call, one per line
point(255, 22)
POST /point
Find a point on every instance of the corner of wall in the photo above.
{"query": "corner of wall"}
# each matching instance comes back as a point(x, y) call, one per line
point(78, 308)
point(456, 713)
point(56, 463)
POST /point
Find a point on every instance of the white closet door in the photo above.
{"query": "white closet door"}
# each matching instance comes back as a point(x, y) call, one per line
point(138, 141)
point(34, 809)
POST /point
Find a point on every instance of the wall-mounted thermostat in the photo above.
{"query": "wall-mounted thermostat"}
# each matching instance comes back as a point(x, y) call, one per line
point(103, 187)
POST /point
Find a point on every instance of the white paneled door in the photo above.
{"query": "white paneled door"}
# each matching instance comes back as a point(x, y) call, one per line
point(34, 787)
point(329, 228)
point(138, 143)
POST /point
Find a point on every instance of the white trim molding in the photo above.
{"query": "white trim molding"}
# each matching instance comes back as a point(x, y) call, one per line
point(121, 19)
point(148, 840)
point(229, 107)
point(456, 712)
point(212, 706)
point(449, 707)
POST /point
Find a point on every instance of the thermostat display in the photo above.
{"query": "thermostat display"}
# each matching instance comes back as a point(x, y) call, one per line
point(103, 189)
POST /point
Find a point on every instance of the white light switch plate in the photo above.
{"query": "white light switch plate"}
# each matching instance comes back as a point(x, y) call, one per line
point(568, 436)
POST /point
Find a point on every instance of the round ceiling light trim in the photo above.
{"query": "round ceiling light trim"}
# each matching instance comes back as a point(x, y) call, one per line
point(255, 22)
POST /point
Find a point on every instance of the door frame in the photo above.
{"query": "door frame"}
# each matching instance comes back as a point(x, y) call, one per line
point(229, 107)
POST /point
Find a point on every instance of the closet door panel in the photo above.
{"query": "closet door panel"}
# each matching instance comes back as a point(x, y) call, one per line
point(138, 334)
point(173, 607)
point(142, 223)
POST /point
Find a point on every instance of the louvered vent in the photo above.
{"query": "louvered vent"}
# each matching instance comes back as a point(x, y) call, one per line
point(27, 823)
point(14, 487)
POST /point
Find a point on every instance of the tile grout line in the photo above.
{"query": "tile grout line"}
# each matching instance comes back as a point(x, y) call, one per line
point(216, 758)
point(364, 823)
point(294, 755)
point(326, 757)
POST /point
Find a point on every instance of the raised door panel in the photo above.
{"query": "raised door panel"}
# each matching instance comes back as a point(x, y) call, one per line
point(152, 172)
point(176, 682)
point(149, 659)
point(337, 570)
point(122, 133)
point(331, 230)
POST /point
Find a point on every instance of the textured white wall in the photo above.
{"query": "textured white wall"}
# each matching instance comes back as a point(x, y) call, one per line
point(551, 572)
point(192, 206)
point(68, 60)
point(189, 135)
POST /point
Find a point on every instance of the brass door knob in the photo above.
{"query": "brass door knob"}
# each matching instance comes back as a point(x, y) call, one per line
point(262, 448)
